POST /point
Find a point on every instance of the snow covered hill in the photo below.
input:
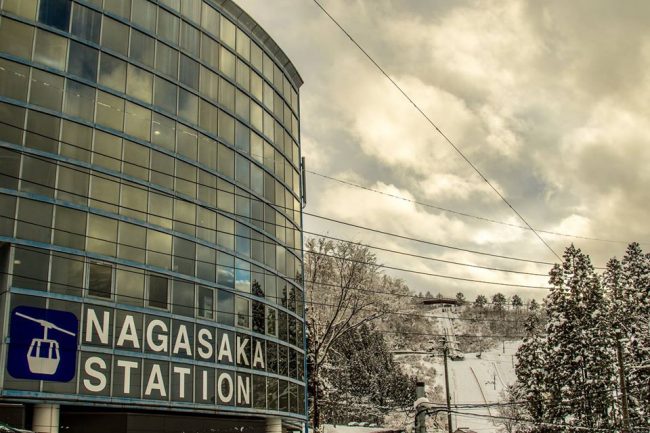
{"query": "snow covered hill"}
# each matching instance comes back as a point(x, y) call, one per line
point(478, 379)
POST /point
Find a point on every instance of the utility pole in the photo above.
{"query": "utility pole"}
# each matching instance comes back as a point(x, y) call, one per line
point(621, 376)
point(420, 415)
point(445, 352)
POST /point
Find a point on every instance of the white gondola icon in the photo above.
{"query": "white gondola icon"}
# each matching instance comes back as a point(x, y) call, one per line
point(43, 356)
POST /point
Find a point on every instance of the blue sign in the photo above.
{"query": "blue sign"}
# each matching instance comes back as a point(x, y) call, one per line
point(43, 344)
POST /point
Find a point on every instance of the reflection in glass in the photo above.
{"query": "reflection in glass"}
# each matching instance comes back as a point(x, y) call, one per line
point(55, 13)
point(86, 23)
point(100, 277)
point(50, 49)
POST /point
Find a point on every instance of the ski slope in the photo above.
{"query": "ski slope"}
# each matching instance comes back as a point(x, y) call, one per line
point(475, 380)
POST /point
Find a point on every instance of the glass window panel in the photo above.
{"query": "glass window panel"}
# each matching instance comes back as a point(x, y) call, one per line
point(70, 228)
point(133, 201)
point(79, 100)
point(242, 312)
point(30, 268)
point(206, 303)
point(50, 49)
point(14, 79)
point(143, 13)
point(112, 72)
point(158, 291)
point(227, 63)
point(190, 37)
point(34, 221)
point(139, 83)
point(166, 60)
point(165, 95)
point(129, 286)
point(83, 61)
point(226, 127)
point(183, 298)
point(104, 193)
point(189, 74)
point(137, 121)
point(256, 56)
point(188, 106)
point(100, 280)
point(160, 209)
point(168, 26)
point(225, 308)
point(115, 35)
point(210, 20)
point(191, 9)
point(43, 132)
point(205, 260)
point(164, 134)
point(226, 161)
point(242, 170)
point(23, 8)
point(257, 147)
point(208, 117)
point(67, 274)
point(119, 7)
point(7, 211)
point(186, 145)
point(227, 32)
point(107, 150)
point(16, 38)
point(159, 246)
point(227, 94)
point(55, 13)
point(86, 23)
point(208, 152)
point(209, 85)
point(242, 105)
point(242, 137)
point(110, 110)
point(243, 44)
point(72, 185)
point(257, 116)
point(257, 86)
point(132, 240)
point(136, 160)
point(38, 176)
point(142, 48)
point(102, 235)
point(267, 68)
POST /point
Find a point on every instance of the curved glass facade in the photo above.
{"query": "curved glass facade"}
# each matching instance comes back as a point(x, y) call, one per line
point(150, 185)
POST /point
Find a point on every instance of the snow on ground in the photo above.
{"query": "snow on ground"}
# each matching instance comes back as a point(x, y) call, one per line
point(476, 380)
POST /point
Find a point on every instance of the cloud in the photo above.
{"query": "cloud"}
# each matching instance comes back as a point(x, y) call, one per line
point(550, 100)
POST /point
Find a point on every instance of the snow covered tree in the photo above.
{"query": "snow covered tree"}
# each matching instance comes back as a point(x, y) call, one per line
point(498, 302)
point(628, 285)
point(480, 301)
point(460, 297)
point(533, 306)
point(569, 373)
point(516, 301)
point(342, 284)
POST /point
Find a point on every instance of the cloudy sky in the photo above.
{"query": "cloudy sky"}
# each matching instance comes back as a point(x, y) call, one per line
point(550, 100)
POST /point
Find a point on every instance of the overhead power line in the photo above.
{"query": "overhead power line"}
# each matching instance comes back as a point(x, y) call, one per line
point(134, 183)
point(432, 123)
point(464, 214)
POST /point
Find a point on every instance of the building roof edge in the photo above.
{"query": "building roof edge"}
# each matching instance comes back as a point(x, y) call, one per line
point(262, 37)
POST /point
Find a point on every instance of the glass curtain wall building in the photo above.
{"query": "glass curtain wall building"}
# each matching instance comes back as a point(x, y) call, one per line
point(150, 216)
